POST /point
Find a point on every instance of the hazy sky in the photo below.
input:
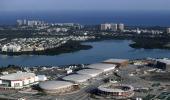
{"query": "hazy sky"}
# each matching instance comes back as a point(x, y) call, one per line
point(46, 5)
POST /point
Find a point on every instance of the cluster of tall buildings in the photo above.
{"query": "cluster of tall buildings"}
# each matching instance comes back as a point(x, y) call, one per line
point(112, 27)
point(29, 22)
point(168, 30)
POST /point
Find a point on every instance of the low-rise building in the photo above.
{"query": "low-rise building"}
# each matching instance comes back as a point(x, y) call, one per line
point(20, 80)
point(11, 48)
point(163, 64)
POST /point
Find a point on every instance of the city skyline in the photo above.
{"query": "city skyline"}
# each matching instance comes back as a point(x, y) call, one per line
point(53, 5)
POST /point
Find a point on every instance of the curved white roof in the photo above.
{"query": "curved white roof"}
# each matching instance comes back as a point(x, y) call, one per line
point(91, 72)
point(53, 85)
point(78, 78)
point(102, 66)
point(17, 76)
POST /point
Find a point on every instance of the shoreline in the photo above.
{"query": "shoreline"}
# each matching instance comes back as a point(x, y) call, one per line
point(74, 46)
point(69, 47)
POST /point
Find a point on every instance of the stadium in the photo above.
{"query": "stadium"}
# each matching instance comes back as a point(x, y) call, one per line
point(117, 91)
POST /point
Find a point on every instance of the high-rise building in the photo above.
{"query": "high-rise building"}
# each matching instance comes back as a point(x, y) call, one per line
point(121, 27)
point(25, 22)
point(114, 27)
point(105, 26)
point(19, 22)
point(168, 30)
point(30, 23)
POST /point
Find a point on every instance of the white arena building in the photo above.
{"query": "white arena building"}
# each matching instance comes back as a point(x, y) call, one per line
point(77, 78)
point(90, 72)
point(57, 87)
point(117, 91)
point(18, 80)
point(102, 66)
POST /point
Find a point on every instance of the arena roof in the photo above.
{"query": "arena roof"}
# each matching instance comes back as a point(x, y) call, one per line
point(115, 60)
point(102, 66)
point(78, 78)
point(91, 72)
point(53, 85)
point(17, 76)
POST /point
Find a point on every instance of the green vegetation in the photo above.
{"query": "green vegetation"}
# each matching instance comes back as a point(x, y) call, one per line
point(155, 84)
point(149, 97)
point(11, 69)
point(163, 95)
point(168, 98)
point(149, 43)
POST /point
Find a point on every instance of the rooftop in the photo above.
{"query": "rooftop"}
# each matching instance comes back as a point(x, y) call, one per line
point(102, 66)
point(91, 72)
point(167, 61)
point(77, 77)
point(52, 85)
point(17, 76)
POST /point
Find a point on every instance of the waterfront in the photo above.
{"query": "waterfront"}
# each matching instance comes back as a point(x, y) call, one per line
point(101, 50)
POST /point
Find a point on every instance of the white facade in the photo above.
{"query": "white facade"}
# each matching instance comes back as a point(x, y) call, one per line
point(41, 78)
point(168, 30)
point(11, 48)
point(20, 79)
point(121, 27)
point(105, 26)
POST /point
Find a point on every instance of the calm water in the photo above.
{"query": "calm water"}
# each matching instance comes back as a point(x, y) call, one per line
point(101, 51)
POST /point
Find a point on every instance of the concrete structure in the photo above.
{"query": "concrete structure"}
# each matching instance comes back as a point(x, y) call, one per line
point(11, 48)
point(105, 26)
point(41, 77)
point(117, 91)
point(168, 30)
point(18, 80)
point(77, 78)
point(90, 72)
point(57, 87)
point(114, 27)
point(118, 62)
point(19, 22)
point(102, 66)
point(163, 64)
point(121, 27)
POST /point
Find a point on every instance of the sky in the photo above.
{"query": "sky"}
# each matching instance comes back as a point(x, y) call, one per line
point(50, 5)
